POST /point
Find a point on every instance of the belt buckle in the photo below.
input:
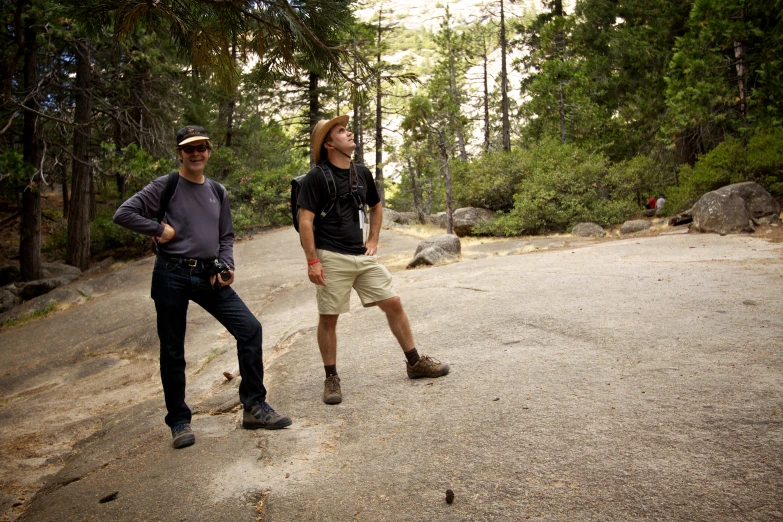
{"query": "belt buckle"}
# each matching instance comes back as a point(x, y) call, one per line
point(192, 263)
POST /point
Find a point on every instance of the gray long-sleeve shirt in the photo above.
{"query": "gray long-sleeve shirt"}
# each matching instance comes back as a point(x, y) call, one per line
point(202, 223)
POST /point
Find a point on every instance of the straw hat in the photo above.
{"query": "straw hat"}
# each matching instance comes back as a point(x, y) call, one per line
point(320, 131)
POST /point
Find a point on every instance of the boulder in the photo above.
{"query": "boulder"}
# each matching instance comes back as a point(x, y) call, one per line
point(7, 300)
point(9, 274)
point(449, 243)
point(682, 218)
point(635, 225)
point(42, 286)
point(11, 252)
point(390, 216)
point(59, 269)
point(409, 218)
point(439, 219)
point(722, 213)
point(431, 255)
point(464, 219)
point(588, 230)
point(760, 203)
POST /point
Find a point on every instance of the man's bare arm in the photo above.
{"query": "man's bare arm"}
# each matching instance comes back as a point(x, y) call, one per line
point(376, 219)
point(306, 235)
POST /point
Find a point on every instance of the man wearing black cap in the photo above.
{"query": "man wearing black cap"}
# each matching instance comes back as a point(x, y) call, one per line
point(332, 231)
point(195, 241)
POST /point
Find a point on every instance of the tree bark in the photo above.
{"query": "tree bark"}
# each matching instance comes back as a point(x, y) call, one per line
point(444, 153)
point(504, 81)
point(378, 120)
point(486, 99)
point(463, 155)
point(416, 188)
point(314, 107)
point(739, 54)
point(358, 136)
point(30, 226)
point(232, 102)
point(78, 246)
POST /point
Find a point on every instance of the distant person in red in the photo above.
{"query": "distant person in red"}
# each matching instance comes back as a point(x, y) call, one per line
point(651, 203)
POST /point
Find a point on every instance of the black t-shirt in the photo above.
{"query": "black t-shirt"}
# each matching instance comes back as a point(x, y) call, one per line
point(339, 230)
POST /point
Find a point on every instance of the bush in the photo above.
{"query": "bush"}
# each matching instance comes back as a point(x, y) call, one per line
point(761, 160)
point(564, 185)
point(490, 180)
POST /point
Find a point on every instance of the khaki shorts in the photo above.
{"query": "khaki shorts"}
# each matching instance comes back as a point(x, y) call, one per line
point(371, 280)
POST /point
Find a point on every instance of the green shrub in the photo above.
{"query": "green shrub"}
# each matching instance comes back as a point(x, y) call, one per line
point(761, 160)
point(490, 180)
point(564, 185)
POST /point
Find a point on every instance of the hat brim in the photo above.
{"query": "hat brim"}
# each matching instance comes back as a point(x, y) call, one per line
point(320, 132)
point(194, 138)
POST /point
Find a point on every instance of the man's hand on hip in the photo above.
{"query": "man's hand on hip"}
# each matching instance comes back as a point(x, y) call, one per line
point(371, 247)
point(168, 234)
point(316, 274)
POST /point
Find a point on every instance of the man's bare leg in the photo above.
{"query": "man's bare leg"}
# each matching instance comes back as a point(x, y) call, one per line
point(327, 338)
point(418, 366)
point(327, 343)
point(398, 322)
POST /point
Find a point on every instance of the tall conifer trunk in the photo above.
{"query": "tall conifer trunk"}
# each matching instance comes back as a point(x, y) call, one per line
point(314, 107)
point(504, 81)
point(378, 119)
point(30, 227)
point(78, 247)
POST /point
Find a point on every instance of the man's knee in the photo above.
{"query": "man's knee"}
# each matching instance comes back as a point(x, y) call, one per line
point(329, 322)
point(393, 305)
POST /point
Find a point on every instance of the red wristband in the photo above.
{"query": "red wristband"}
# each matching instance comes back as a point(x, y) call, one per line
point(314, 261)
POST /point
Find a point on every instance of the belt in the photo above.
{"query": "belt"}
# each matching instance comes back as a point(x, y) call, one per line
point(184, 261)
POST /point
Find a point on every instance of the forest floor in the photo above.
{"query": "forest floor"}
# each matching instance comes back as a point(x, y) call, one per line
point(614, 379)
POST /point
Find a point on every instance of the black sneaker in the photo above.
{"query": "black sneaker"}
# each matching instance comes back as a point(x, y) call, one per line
point(182, 435)
point(261, 415)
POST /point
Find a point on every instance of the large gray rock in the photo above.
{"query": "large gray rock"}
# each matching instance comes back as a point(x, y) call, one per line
point(7, 300)
point(465, 219)
point(42, 286)
point(11, 252)
point(635, 225)
point(449, 243)
point(588, 230)
point(439, 219)
point(432, 255)
point(390, 216)
point(760, 203)
point(59, 269)
point(408, 218)
point(722, 213)
point(9, 274)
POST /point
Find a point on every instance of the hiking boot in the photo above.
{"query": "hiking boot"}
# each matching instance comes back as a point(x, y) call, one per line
point(332, 392)
point(427, 367)
point(261, 415)
point(182, 435)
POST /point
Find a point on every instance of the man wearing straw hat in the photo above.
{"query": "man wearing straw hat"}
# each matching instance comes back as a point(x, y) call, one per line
point(332, 227)
point(190, 219)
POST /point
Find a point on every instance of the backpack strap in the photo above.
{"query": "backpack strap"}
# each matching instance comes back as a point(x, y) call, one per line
point(165, 198)
point(331, 187)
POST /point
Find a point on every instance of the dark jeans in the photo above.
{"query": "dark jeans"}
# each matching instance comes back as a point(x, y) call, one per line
point(173, 286)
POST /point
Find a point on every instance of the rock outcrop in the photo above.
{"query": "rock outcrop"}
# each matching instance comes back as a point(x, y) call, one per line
point(635, 225)
point(588, 230)
point(465, 219)
point(722, 213)
point(431, 255)
point(449, 243)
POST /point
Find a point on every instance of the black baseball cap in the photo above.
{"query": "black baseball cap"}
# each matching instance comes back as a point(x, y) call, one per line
point(191, 133)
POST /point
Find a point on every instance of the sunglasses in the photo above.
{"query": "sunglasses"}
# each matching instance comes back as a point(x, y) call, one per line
point(189, 149)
